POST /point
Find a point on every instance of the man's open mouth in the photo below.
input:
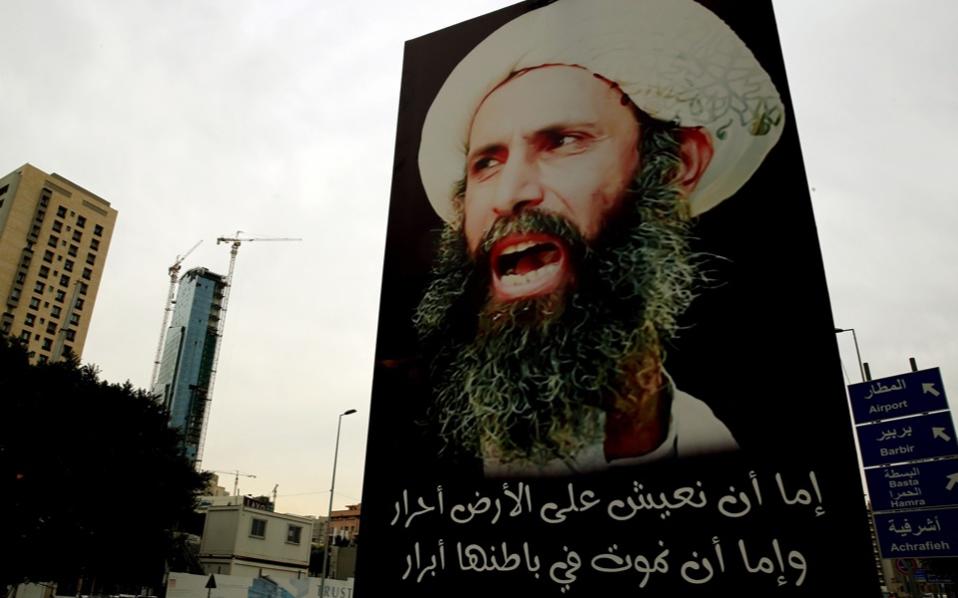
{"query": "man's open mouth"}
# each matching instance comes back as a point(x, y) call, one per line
point(527, 265)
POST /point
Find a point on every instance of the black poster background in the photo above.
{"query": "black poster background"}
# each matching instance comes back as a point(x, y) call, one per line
point(759, 349)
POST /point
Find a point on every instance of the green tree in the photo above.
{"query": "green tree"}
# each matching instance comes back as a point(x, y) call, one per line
point(96, 480)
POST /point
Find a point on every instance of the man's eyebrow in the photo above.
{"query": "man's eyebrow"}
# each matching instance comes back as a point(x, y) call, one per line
point(587, 126)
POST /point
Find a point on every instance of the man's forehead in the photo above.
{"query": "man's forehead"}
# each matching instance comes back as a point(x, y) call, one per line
point(544, 97)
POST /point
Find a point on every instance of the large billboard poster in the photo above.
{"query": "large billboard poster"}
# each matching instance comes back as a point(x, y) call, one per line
point(605, 358)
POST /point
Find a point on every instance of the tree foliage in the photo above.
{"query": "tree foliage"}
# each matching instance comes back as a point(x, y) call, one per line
point(96, 479)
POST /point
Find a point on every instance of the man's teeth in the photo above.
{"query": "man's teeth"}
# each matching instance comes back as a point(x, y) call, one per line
point(534, 275)
point(519, 247)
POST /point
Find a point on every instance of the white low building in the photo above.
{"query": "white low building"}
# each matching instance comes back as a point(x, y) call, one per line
point(246, 541)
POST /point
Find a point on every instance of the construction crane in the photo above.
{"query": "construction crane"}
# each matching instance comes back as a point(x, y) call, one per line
point(236, 476)
point(174, 272)
point(221, 324)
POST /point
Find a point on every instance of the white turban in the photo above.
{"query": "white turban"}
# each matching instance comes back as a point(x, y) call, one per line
point(675, 59)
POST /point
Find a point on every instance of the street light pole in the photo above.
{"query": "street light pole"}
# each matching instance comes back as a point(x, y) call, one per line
point(329, 512)
point(861, 367)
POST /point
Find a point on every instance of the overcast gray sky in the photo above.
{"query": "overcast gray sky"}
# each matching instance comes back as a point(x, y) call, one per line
point(197, 119)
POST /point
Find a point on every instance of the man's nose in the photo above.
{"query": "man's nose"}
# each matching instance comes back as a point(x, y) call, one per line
point(519, 186)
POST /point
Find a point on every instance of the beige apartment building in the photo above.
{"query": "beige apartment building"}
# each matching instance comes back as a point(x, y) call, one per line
point(54, 238)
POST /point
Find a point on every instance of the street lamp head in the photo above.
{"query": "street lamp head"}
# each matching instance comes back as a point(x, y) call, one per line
point(837, 330)
point(349, 412)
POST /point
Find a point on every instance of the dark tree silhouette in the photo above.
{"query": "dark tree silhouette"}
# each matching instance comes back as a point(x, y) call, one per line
point(96, 481)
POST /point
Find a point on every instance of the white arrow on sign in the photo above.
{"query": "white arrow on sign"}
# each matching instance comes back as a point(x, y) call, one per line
point(952, 480)
point(929, 388)
point(940, 433)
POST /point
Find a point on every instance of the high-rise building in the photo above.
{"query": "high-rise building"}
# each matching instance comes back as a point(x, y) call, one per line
point(189, 351)
point(54, 237)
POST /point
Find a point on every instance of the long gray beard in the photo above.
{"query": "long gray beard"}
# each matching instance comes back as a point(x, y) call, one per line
point(522, 380)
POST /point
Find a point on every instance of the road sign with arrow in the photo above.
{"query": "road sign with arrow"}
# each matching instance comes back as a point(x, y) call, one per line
point(904, 394)
point(916, 485)
point(907, 439)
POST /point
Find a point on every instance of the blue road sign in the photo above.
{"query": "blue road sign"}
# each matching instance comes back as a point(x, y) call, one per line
point(928, 484)
point(918, 534)
point(907, 439)
point(904, 394)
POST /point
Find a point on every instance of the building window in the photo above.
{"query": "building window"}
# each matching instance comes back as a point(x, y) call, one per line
point(81, 221)
point(60, 296)
point(83, 288)
point(55, 312)
point(52, 328)
point(64, 280)
point(52, 241)
point(78, 304)
point(42, 359)
point(257, 528)
point(90, 259)
point(21, 277)
point(38, 288)
point(87, 273)
point(4, 189)
point(29, 320)
point(34, 303)
point(71, 334)
point(73, 250)
point(25, 336)
point(75, 319)
point(68, 265)
point(77, 235)
point(47, 343)
point(61, 211)
point(98, 230)
point(94, 244)
point(48, 256)
point(293, 534)
point(44, 272)
point(57, 225)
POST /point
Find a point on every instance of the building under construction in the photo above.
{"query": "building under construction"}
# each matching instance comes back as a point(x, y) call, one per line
point(184, 379)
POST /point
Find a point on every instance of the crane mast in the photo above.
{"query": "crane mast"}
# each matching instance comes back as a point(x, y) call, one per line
point(235, 241)
point(236, 476)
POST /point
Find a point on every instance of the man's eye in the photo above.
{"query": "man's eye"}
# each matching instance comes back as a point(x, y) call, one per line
point(564, 142)
point(484, 163)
